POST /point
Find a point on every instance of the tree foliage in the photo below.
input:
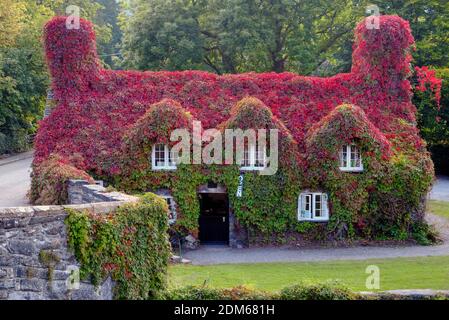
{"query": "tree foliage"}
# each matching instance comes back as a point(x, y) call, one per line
point(238, 35)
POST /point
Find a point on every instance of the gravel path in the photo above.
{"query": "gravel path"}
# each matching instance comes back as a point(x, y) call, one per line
point(15, 180)
point(209, 255)
point(440, 189)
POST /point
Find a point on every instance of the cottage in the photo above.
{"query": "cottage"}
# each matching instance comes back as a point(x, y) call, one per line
point(351, 163)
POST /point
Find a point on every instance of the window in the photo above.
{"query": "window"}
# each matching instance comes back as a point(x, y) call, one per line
point(254, 157)
point(313, 207)
point(350, 158)
point(162, 158)
point(171, 208)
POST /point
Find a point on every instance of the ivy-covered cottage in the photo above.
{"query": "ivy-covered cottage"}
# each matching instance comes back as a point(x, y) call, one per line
point(351, 162)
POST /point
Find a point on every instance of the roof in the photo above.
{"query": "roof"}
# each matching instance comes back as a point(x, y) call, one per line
point(96, 107)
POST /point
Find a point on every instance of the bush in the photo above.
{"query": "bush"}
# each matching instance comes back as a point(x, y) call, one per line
point(49, 181)
point(303, 291)
point(131, 245)
point(319, 291)
point(424, 234)
point(207, 293)
point(15, 143)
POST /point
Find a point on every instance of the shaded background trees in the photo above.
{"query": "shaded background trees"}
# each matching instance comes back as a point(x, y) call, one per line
point(310, 37)
point(240, 35)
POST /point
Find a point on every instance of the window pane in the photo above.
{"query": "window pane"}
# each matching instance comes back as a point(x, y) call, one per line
point(355, 157)
point(344, 156)
point(172, 158)
point(259, 157)
point(246, 156)
point(306, 205)
point(159, 155)
point(318, 208)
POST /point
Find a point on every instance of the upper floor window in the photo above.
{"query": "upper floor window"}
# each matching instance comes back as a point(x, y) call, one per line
point(254, 157)
point(350, 158)
point(162, 158)
point(313, 206)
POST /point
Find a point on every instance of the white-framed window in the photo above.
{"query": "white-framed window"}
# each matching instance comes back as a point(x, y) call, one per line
point(162, 158)
point(171, 209)
point(254, 157)
point(350, 158)
point(313, 206)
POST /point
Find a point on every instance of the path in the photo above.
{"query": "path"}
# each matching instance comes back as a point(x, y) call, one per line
point(440, 189)
point(15, 180)
point(208, 255)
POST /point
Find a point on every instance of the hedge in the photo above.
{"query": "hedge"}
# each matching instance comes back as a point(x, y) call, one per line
point(130, 245)
point(49, 181)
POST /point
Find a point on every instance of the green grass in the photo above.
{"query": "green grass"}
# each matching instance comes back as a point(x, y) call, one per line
point(399, 273)
point(440, 208)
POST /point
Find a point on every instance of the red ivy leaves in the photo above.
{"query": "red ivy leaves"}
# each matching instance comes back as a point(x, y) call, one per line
point(427, 79)
point(96, 107)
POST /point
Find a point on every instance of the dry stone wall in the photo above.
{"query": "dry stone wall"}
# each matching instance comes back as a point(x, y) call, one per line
point(35, 262)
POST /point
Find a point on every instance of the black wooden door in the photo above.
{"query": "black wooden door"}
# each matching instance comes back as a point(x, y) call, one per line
point(214, 219)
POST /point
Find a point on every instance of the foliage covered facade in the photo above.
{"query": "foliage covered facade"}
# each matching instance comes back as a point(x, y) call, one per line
point(106, 123)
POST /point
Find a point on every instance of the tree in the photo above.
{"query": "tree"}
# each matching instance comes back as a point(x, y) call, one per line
point(108, 16)
point(237, 35)
point(23, 75)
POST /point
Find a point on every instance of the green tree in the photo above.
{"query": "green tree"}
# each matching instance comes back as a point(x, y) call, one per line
point(108, 16)
point(433, 122)
point(238, 35)
point(23, 74)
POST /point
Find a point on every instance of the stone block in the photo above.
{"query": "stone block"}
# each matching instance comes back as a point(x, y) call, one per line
point(7, 284)
point(6, 272)
point(3, 294)
point(24, 247)
point(35, 285)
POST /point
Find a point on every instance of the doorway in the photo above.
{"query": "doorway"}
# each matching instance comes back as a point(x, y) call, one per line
point(214, 218)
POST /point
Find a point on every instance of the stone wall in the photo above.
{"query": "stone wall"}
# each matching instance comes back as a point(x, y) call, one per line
point(80, 191)
point(35, 262)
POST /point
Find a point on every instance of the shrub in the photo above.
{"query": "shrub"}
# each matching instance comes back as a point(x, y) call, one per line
point(207, 293)
point(49, 181)
point(130, 244)
point(320, 291)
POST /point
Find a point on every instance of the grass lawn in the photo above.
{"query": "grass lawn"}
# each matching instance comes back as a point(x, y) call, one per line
point(400, 273)
point(440, 208)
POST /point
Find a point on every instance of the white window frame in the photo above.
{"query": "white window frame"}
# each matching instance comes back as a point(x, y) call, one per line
point(172, 207)
point(253, 157)
point(349, 149)
point(167, 164)
point(310, 214)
